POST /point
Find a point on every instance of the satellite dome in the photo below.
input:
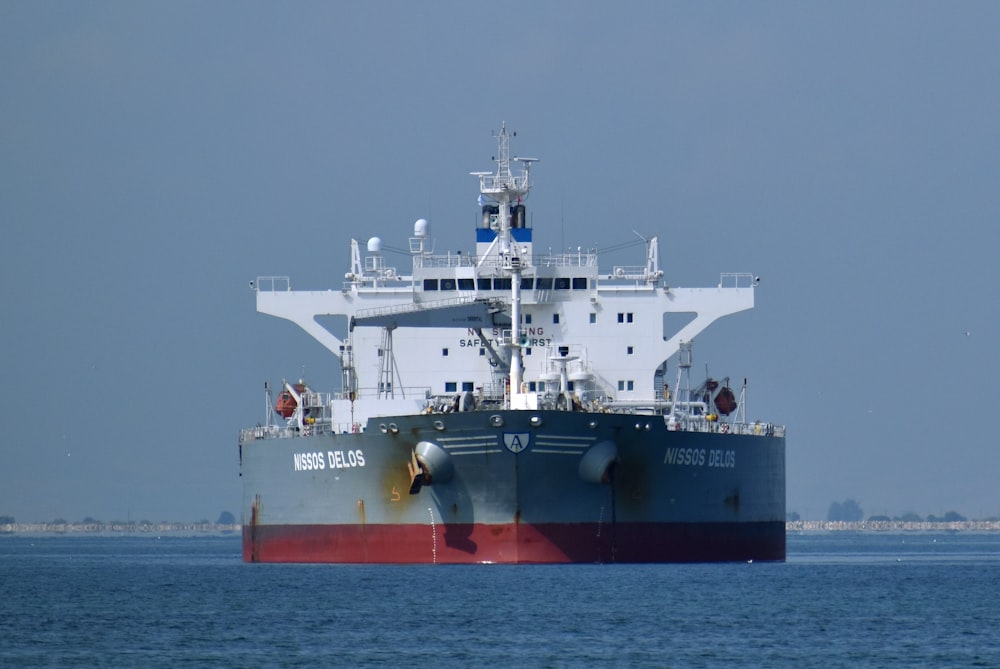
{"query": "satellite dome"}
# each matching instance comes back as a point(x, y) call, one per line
point(375, 245)
point(421, 228)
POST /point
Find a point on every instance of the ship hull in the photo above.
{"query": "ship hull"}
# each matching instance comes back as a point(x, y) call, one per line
point(509, 490)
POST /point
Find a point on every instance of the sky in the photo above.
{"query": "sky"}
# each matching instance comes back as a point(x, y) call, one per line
point(155, 157)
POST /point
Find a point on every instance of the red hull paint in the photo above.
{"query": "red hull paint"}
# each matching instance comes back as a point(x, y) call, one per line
point(516, 543)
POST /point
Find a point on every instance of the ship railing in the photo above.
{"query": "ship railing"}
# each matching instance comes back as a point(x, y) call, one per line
point(579, 259)
point(410, 307)
point(755, 429)
point(272, 284)
point(347, 428)
point(449, 260)
point(631, 272)
point(370, 392)
point(289, 431)
point(467, 260)
point(312, 400)
point(737, 280)
point(260, 432)
point(489, 183)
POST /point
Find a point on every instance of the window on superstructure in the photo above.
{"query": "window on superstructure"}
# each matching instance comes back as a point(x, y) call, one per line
point(630, 385)
point(630, 350)
point(555, 318)
point(621, 384)
point(527, 351)
point(628, 317)
point(532, 386)
point(482, 351)
point(545, 283)
point(444, 351)
point(501, 284)
point(562, 283)
point(527, 319)
point(485, 284)
point(579, 283)
point(466, 284)
point(447, 284)
point(593, 318)
point(621, 316)
point(430, 284)
point(467, 386)
point(450, 386)
point(569, 385)
point(528, 283)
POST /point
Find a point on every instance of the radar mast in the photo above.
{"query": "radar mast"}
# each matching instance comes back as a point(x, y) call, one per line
point(506, 189)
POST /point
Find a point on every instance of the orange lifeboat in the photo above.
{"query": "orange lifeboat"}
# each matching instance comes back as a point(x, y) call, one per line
point(725, 401)
point(285, 406)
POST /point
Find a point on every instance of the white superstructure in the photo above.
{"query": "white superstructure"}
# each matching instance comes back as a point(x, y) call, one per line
point(504, 324)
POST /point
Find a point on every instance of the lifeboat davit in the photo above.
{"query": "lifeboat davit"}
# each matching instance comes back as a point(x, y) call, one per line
point(725, 401)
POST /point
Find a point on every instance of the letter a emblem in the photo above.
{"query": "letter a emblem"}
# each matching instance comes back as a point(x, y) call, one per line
point(516, 441)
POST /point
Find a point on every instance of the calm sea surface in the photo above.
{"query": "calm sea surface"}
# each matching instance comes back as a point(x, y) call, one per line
point(841, 600)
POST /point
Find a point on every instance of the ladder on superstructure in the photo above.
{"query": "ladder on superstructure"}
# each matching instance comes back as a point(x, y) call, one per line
point(388, 371)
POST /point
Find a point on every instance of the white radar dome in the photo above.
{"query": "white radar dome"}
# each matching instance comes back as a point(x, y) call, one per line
point(421, 228)
point(375, 245)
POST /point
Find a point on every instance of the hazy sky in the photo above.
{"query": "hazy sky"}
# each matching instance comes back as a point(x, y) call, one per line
point(155, 157)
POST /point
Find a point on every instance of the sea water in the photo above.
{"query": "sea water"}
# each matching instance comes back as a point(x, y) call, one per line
point(841, 600)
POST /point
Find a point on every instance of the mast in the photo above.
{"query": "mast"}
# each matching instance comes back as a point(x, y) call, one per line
point(506, 189)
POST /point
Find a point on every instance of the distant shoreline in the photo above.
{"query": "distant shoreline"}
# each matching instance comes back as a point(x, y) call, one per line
point(119, 528)
point(202, 529)
point(892, 526)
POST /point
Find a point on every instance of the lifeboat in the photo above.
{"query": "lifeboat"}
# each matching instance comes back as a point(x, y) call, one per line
point(285, 406)
point(725, 401)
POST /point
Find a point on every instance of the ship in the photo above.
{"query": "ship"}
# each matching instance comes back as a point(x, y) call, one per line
point(510, 406)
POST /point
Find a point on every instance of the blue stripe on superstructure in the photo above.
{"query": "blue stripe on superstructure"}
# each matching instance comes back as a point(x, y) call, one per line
point(487, 235)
